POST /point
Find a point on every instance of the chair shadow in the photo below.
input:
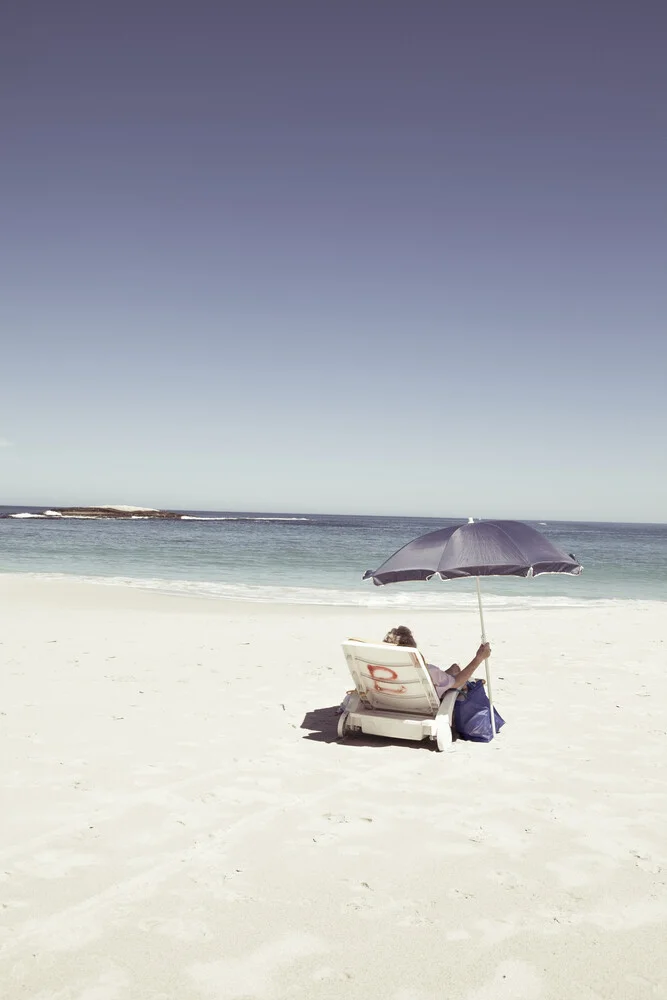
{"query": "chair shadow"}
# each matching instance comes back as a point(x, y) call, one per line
point(323, 726)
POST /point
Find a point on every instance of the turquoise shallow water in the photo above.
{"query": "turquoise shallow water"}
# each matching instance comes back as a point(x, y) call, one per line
point(318, 558)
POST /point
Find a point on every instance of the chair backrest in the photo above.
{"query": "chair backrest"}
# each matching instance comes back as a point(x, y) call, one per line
point(391, 678)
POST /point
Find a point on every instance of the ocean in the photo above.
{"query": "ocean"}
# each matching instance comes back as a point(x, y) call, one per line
point(317, 558)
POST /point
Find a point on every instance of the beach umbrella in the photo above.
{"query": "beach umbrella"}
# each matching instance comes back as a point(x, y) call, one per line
point(476, 549)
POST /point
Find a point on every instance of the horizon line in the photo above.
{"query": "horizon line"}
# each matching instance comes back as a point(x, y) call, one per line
point(418, 517)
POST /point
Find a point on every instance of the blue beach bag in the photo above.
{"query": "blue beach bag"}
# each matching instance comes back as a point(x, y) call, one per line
point(472, 715)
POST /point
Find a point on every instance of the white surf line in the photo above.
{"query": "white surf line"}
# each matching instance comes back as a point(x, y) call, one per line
point(153, 876)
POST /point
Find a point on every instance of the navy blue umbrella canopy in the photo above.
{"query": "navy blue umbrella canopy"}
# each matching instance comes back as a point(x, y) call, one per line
point(479, 548)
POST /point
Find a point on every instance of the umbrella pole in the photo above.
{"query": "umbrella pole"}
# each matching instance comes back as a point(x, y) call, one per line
point(486, 662)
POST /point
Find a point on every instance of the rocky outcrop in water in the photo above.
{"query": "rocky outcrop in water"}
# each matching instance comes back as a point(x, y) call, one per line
point(123, 511)
point(126, 512)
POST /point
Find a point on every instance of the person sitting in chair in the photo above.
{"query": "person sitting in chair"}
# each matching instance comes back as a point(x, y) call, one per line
point(443, 680)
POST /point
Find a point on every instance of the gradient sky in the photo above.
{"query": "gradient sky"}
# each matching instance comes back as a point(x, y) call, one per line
point(403, 258)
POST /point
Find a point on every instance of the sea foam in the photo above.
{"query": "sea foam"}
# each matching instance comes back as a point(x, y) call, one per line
point(193, 517)
point(440, 600)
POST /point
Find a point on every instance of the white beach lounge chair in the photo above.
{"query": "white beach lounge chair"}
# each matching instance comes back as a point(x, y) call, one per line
point(394, 695)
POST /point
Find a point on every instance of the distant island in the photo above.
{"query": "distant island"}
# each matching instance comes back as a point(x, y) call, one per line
point(104, 510)
point(112, 510)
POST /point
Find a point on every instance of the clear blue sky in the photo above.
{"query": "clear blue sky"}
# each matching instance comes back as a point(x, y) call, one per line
point(360, 257)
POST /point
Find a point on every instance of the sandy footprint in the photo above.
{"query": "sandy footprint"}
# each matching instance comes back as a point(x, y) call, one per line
point(111, 985)
point(254, 975)
point(512, 980)
point(58, 864)
point(73, 934)
point(410, 993)
point(179, 928)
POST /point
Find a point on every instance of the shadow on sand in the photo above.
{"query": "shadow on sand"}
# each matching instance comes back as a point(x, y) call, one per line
point(322, 724)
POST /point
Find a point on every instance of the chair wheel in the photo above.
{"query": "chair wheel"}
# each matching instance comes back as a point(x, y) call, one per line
point(342, 725)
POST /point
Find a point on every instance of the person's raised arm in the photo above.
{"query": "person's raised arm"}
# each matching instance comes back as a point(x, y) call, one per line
point(464, 675)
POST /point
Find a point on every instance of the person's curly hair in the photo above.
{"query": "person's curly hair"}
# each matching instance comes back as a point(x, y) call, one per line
point(400, 636)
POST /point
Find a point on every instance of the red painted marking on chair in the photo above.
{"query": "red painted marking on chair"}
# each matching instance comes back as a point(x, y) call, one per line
point(386, 674)
point(389, 690)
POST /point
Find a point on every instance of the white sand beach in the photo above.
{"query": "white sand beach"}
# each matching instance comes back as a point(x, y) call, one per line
point(179, 820)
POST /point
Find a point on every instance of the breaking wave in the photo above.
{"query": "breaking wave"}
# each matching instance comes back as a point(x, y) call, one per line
point(50, 515)
point(193, 517)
